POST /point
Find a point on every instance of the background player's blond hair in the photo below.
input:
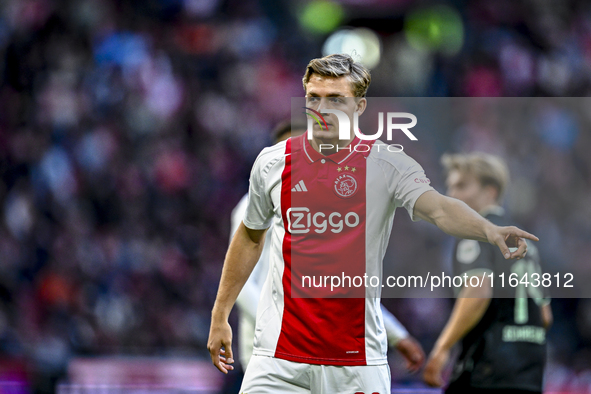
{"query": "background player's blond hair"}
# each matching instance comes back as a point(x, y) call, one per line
point(488, 169)
point(340, 65)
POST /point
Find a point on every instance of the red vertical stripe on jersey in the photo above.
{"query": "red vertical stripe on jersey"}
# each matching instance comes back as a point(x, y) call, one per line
point(285, 204)
point(322, 330)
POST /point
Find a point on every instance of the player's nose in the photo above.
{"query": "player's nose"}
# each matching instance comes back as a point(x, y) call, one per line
point(323, 103)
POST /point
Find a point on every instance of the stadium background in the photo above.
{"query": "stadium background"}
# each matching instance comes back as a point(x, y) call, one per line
point(128, 128)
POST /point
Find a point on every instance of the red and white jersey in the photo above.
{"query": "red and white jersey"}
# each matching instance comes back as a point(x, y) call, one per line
point(330, 214)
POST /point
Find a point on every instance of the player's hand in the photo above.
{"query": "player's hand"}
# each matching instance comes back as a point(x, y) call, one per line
point(510, 237)
point(412, 352)
point(432, 375)
point(220, 336)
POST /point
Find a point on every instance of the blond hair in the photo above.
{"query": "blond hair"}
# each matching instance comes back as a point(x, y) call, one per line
point(340, 65)
point(488, 169)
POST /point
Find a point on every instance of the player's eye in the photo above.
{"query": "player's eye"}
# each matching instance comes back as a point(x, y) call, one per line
point(312, 99)
point(336, 100)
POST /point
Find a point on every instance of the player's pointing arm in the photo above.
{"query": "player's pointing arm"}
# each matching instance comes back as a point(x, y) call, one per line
point(456, 218)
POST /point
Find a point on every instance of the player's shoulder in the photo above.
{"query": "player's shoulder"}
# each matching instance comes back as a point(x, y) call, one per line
point(392, 156)
point(273, 152)
point(270, 156)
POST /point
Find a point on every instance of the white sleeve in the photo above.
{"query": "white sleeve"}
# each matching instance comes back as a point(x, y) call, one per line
point(410, 183)
point(259, 210)
point(394, 329)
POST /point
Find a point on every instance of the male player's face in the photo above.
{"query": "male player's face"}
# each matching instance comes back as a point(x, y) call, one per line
point(466, 187)
point(330, 93)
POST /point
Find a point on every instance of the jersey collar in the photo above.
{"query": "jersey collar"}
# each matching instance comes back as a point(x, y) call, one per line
point(339, 157)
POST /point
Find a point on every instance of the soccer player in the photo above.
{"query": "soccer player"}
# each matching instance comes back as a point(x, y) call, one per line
point(349, 195)
point(503, 330)
point(248, 298)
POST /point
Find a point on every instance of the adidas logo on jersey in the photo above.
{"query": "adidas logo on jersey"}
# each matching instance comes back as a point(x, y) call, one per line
point(299, 187)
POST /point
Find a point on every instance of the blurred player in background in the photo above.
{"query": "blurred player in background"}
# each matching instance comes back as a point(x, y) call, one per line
point(329, 345)
point(503, 330)
point(248, 299)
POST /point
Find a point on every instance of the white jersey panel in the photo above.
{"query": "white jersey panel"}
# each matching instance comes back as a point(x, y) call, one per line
point(249, 296)
point(393, 180)
point(265, 186)
point(270, 311)
point(264, 210)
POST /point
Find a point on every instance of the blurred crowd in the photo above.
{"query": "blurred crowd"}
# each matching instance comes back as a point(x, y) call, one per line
point(128, 128)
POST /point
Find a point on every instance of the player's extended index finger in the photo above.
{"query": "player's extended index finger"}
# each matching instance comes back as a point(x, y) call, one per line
point(524, 234)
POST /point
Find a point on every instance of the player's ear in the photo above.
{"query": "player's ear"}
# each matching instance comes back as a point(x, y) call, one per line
point(361, 105)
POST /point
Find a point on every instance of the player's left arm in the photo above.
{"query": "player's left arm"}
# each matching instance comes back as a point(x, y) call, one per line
point(469, 308)
point(398, 337)
point(456, 218)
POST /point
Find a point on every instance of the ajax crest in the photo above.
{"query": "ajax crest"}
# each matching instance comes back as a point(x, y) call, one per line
point(345, 185)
